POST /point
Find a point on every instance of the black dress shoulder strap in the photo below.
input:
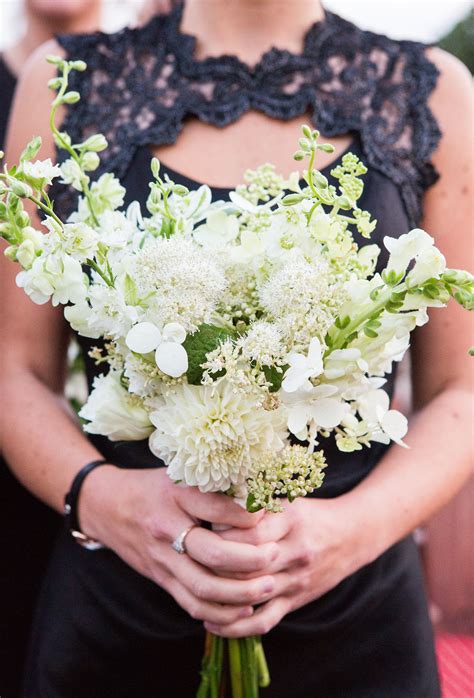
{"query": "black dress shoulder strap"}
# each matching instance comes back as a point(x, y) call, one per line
point(142, 83)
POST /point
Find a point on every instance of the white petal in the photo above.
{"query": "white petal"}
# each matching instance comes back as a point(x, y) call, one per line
point(395, 425)
point(297, 361)
point(315, 359)
point(373, 405)
point(294, 379)
point(171, 358)
point(328, 412)
point(174, 332)
point(297, 418)
point(143, 337)
point(324, 390)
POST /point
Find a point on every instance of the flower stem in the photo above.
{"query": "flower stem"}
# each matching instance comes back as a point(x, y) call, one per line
point(235, 662)
point(263, 672)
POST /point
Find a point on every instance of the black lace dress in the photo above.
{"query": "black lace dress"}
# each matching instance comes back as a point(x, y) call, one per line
point(102, 630)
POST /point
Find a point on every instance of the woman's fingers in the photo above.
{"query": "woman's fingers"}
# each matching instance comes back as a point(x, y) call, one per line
point(209, 549)
point(271, 528)
point(261, 622)
point(216, 508)
point(204, 610)
point(206, 586)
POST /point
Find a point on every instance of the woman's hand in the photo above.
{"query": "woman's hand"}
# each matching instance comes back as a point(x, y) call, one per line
point(320, 542)
point(138, 513)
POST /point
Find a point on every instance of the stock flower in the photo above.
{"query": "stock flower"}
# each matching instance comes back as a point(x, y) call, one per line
point(219, 230)
point(170, 355)
point(405, 248)
point(54, 276)
point(43, 170)
point(111, 411)
point(211, 436)
point(429, 264)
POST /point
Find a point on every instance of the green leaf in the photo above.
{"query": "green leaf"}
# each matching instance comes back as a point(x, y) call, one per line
point(31, 150)
point(198, 345)
point(131, 293)
point(251, 505)
point(274, 377)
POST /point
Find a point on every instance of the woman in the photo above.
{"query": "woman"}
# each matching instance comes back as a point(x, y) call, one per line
point(336, 578)
point(25, 523)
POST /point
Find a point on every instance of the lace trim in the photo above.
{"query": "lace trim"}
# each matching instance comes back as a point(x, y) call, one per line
point(142, 83)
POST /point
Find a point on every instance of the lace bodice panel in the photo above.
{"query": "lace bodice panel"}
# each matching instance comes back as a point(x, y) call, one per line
point(141, 84)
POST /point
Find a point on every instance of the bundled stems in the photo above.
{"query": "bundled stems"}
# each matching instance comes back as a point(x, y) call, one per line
point(248, 668)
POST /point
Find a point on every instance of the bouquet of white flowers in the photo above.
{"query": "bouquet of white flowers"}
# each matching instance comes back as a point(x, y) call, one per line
point(229, 326)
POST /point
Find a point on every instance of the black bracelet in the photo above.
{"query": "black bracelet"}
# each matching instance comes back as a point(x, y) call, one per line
point(71, 505)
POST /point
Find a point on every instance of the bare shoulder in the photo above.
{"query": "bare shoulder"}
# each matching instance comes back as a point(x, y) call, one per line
point(453, 94)
point(31, 107)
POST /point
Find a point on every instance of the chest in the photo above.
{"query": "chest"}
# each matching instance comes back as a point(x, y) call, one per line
point(220, 155)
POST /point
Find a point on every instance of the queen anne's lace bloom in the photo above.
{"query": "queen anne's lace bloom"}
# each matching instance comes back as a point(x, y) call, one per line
point(180, 282)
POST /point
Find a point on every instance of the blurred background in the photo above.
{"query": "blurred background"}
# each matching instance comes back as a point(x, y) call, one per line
point(446, 541)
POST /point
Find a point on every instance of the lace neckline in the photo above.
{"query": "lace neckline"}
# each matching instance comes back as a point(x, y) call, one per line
point(184, 45)
point(142, 85)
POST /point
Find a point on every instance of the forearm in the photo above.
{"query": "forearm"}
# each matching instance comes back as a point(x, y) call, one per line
point(41, 441)
point(409, 486)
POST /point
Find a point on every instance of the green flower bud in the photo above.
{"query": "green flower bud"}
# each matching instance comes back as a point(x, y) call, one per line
point(180, 190)
point(307, 131)
point(78, 65)
point(304, 144)
point(54, 60)
point(10, 253)
point(155, 167)
point(90, 161)
point(54, 83)
point(344, 203)
point(326, 148)
point(299, 155)
point(291, 199)
point(320, 180)
point(21, 189)
point(71, 97)
point(95, 143)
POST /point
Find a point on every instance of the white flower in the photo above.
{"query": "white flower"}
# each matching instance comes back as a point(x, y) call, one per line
point(316, 406)
point(302, 368)
point(82, 319)
point(56, 276)
point(219, 230)
point(250, 249)
point(261, 343)
point(429, 264)
point(108, 193)
point(41, 169)
point(384, 423)
point(170, 355)
point(211, 436)
point(71, 174)
point(181, 282)
point(111, 411)
point(405, 248)
point(26, 254)
point(116, 229)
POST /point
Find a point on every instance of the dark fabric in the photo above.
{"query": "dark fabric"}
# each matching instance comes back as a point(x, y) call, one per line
point(27, 527)
point(7, 90)
point(103, 630)
point(106, 632)
point(346, 79)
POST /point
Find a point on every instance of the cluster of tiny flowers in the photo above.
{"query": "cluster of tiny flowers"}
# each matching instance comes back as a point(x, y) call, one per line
point(227, 358)
point(262, 343)
point(240, 300)
point(292, 472)
point(303, 300)
point(181, 282)
point(263, 184)
point(109, 353)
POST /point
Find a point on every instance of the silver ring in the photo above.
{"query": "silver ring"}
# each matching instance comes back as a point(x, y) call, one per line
point(179, 544)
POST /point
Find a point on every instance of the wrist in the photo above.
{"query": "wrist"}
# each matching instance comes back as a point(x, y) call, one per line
point(365, 530)
point(98, 500)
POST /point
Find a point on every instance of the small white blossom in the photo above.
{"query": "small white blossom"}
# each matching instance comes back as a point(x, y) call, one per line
point(41, 169)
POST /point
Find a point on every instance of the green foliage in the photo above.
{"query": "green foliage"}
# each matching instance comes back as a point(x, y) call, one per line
point(198, 345)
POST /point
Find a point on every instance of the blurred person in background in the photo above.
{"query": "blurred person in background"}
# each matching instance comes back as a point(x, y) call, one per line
point(127, 620)
point(27, 527)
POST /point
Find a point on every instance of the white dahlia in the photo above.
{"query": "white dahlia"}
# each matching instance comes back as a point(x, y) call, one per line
point(211, 436)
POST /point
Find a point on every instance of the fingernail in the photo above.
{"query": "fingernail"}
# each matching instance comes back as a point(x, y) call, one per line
point(269, 587)
point(246, 612)
point(275, 552)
